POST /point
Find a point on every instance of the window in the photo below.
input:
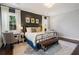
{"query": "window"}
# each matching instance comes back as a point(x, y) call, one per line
point(12, 23)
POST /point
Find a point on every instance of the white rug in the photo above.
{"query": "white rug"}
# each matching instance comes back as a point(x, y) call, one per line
point(63, 48)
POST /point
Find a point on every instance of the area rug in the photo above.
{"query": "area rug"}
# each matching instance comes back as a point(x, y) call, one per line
point(63, 48)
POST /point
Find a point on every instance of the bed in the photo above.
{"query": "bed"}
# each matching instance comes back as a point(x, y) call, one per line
point(34, 38)
point(31, 38)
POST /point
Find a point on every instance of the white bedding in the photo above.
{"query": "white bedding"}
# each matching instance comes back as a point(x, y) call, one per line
point(31, 36)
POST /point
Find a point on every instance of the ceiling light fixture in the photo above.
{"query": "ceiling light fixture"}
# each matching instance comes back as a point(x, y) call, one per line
point(49, 5)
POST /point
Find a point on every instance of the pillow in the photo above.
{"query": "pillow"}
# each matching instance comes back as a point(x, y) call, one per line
point(38, 29)
point(29, 29)
point(33, 29)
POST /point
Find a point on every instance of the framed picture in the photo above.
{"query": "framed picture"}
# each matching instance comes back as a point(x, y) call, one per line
point(12, 22)
point(37, 21)
point(32, 20)
point(27, 20)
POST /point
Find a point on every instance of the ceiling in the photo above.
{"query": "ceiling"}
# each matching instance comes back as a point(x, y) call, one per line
point(39, 8)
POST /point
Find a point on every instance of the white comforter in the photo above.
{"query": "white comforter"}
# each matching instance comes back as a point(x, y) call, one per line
point(31, 36)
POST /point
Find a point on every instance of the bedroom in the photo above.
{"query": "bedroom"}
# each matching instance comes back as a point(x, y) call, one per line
point(23, 23)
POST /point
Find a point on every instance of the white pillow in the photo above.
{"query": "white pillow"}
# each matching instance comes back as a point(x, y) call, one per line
point(28, 29)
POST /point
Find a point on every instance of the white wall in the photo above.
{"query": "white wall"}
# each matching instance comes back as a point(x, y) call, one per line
point(5, 18)
point(67, 24)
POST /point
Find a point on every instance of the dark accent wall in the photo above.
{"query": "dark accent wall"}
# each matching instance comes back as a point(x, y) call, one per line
point(30, 15)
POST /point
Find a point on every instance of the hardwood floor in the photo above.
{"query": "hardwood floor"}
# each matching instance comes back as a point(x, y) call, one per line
point(8, 49)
